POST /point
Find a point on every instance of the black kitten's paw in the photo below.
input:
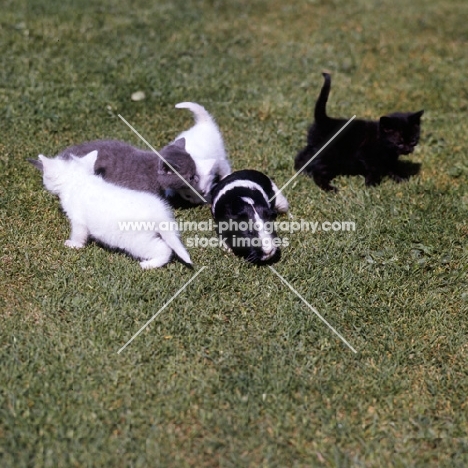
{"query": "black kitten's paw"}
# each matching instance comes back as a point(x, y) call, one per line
point(398, 178)
point(326, 186)
point(330, 188)
point(373, 181)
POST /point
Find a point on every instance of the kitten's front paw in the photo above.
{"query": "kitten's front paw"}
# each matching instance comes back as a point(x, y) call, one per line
point(329, 188)
point(74, 244)
point(373, 181)
point(398, 178)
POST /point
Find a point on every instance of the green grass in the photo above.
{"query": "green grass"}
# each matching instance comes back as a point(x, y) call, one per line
point(237, 371)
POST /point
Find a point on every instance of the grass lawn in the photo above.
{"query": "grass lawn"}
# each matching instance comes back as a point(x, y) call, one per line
point(237, 371)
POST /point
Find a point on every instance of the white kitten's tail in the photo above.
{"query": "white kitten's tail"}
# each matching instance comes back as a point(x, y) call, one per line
point(171, 238)
point(199, 112)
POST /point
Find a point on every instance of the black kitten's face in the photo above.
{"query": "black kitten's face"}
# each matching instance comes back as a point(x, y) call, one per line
point(401, 131)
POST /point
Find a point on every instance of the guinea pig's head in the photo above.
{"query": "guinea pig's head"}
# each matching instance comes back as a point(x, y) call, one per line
point(248, 230)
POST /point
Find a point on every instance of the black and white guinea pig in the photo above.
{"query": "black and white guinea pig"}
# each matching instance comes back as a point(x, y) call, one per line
point(244, 211)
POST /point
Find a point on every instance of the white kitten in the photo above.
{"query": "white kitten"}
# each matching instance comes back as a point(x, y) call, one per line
point(205, 145)
point(97, 208)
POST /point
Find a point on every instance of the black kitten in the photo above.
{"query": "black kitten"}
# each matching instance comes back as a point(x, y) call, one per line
point(368, 148)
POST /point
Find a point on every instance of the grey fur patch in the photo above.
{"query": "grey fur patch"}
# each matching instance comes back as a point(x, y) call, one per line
point(125, 165)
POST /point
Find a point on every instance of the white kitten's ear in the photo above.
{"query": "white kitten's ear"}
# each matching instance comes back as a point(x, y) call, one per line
point(88, 160)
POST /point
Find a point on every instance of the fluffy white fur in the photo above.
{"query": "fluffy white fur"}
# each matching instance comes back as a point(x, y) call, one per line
point(95, 208)
point(205, 145)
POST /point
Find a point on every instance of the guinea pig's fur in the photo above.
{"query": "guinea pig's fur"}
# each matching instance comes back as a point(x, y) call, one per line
point(244, 196)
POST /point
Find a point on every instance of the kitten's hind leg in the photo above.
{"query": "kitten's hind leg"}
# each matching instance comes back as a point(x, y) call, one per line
point(78, 236)
point(157, 253)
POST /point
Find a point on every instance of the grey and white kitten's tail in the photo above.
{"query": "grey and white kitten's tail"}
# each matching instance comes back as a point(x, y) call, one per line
point(200, 114)
point(171, 238)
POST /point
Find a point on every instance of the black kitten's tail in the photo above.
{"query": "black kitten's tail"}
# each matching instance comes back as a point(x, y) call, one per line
point(321, 104)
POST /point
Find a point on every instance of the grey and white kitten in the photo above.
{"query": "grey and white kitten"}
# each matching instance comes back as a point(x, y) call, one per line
point(125, 165)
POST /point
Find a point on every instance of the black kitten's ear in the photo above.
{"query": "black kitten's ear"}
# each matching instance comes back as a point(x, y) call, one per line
point(37, 164)
point(417, 115)
point(386, 123)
